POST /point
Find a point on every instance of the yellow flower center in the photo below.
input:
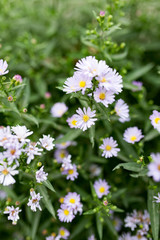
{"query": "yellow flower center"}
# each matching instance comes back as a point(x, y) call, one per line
point(61, 200)
point(74, 122)
point(62, 232)
point(53, 234)
point(157, 119)
point(62, 155)
point(63, 144)
point(101, 189)
point(82, 84)
point(72, 200)
point(12, 151)
point(108, 147)
point(103, 80)
point(34, 200)
point(3, 139)
point(66, 212)
point(5, 172)
point(12, 212)
point(133, 138)
point(85, 118)
point(102, 96)
point(158, 167)
point(70, 171)
point(94, 70)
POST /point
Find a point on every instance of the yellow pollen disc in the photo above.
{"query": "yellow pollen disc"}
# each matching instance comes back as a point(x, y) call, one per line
point(85, 118)
point(94, 70)
point(101, 189)
point(70, 171)
point(102, 96)
point(159, 167)
point(34, 200)
point(82, 84)
point(12, 151)
point(5, 172)
point(53, 234)
point(3, 139)
point(66, 212)
point(133, 138)
point(12, 212)
point(74, 122)
point(63, 144)
point(157, 119)
point(103, 80)
point(62, 155)
point(62, 232)
point(61, 200)
point(72, 200)
point(108, 147)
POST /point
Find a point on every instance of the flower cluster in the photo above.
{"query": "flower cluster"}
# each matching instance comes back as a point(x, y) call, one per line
point(70, 206)
point(63, 233)
point(69, 169)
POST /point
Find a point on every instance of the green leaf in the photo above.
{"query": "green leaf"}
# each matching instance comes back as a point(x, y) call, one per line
point(26, 95)
point(93, 190)
point(99, 224)
point(71, 135)
point(151, 135)
point(153, 209)
point(110, 227)
point(91, 135)
point(30, 118)
point(48, 185)
point(46, 200)
point(35, 223)
point(80, 227)
point(131, 166)
point(92, 211)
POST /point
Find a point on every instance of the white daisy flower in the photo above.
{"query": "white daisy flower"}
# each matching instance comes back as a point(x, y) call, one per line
point(104, 96)
point(6, 174)
point(58, 109)
point(155, 120)
point(109, 147)
point(31, 151)
point(13, 151)
point(154, 167)
point(41, 176)
point(13, 214)
point(63, 233)
point(91, 67)
point(69, 85)
point(125, 236)
point(46, 142)
point(72, 200)
point(3, 67)
point(157, 198)
point(122, 110)
point(132, 135)
point(71, 173)
point(22, 133)
point(5, 135)
point(67, 163)
point(34, 201)
point(65, 214)
point(64, 145)
point(111, 80)
point(72, 122)
point(60, 154)
point(85, 119)
point(101, 187)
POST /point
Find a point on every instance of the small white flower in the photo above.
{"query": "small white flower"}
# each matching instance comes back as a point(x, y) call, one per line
point(41, 176)
point(13, 152)
point(65, 214)
point(85, 119)
point(34, 201)
point(132, 135)
point(3, 67)
point(58, 109)
point(66, 163)
point(155, 120)
point(6, 174)
point(72, 200)
point(5, 135)
point(92, 237)
point(104, 96)
point(31, 151)
point(13, 213)
point(46, 142)
point(154, 167)
point(71, 173)
point(63, 233)
point(21, 132)
point(101, 187)
point(60, 154)
point(72, 122)
point(64, 145)
point(109, 147)
point(157, 198)
point(122, 110)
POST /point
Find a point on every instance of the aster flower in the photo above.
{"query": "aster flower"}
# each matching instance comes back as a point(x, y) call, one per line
point(72, 201)
point(154, 167)
point(71, 173)
point(117, 222)
point(155, 120)
point(109, 147)
point(13, 152)
point(41, 176)
point(3, 67)
point(85, 119)
point(125, 236)
point(95, 170)
point(58, 109)
point(78, 82)
point(110, 80)
point(157, 198)
point(104, 96)
point(122, 110)
point(60, 154)
point(72, 122)
point(34, 201)
point(132, 135)
point(64, 145)
point(6, 174)
point(138, 84)
point(90, 66)
point(13, 214)
point(18, 78)
point(63, 233)
point(65, 214)
point(31, 151)
point(66, 163)
point(101, 187)
point(22, 133)
point(46, 142)
point(5, 135)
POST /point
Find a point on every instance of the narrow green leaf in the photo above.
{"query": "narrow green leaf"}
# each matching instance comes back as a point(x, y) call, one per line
point(35, 223)
point(49, 185)
point(30, 118)
point(91, 135)
point(80, 227)
point(46, 200)
point(71, 135)
point(153, 209)
point(132, 166)
point(151, 135)
point(110, 227)
point(99, 224)
point(92, 211)
point(93, 191)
